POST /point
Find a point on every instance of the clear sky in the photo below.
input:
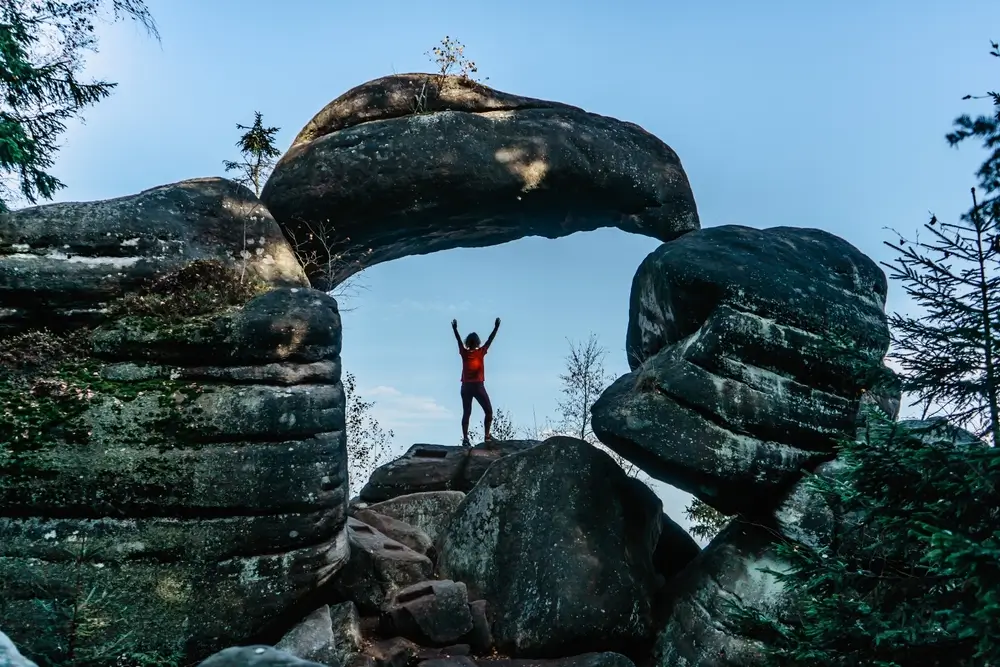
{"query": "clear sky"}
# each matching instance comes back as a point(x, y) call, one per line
point(818, 114)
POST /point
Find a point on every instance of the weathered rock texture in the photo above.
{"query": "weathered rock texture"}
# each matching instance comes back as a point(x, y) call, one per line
point(430, 511)
point(565, 567)
point(700, 629)
point(256, 656)
point(182, 476)
point(734, 388)
point(437, 468)
point(313, 639)
point(64, 263)
point(378, 567)
point(415, 163)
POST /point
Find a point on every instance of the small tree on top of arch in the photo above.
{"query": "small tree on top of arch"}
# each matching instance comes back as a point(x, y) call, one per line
point(450, 58)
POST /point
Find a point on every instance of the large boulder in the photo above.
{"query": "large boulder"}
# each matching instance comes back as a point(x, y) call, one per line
point(437, 468)
point(62, 264)
point(744, 347)
point(180, 470)
point(430, 511)
point(559, 541)
point(313, 639)
point(415, 163)
point(400, 531)
point(378, 567)
point(700, 628)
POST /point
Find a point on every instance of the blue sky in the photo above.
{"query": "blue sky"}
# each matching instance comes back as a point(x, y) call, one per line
point(783, 113)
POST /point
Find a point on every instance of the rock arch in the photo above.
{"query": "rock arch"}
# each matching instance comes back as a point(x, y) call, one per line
point(416, 163)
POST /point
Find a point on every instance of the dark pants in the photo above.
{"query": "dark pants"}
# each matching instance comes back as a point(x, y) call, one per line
point(475, 390)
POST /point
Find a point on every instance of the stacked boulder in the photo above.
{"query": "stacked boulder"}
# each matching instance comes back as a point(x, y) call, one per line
point(172, 426)
point(745, 346)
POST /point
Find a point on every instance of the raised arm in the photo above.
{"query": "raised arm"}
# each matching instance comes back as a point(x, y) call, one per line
point(458, 339)
point(496, 327)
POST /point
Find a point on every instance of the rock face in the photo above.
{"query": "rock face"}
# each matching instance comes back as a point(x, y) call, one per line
point(563, 568)
point(10, 656)
point(733, 389)
point(400, 531)
point(183, 465)
point(378, 567)
point(700, 629)
point(313, 639)
point(429, 511)
point(62, 264)
point(256, 656)
point(434, 613)
point(416, 163)
point(437, 468)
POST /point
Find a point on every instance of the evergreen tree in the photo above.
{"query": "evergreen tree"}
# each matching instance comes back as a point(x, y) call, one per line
point(42, 47)
point(911, 579)
point(257, 154)
point(913, 575)
point(706, 521)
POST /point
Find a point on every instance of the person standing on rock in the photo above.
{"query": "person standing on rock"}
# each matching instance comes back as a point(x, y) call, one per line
point(474, 379)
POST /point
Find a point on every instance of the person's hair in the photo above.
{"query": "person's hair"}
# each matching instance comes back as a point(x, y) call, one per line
point(472, 340)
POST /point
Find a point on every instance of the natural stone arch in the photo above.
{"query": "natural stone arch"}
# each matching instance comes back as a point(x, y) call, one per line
point(416, 163)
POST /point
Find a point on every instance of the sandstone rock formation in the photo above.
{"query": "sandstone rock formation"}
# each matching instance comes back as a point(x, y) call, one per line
point(563, 568)
point(437, 468)
point(415, 163)
point(167, 472)
point(378, 567)
point(736, 385)
point(430, 511)
point(700, 628)
point(62, 264)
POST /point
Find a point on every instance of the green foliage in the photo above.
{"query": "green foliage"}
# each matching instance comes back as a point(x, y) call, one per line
point(503, 426)
point(913, 576)
point(583, 381)
point(257, 154)
point(368, 444)
point(42, 46)
point(986, 128)
point(80, 611)
point(706, 521)
point(950, 353)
